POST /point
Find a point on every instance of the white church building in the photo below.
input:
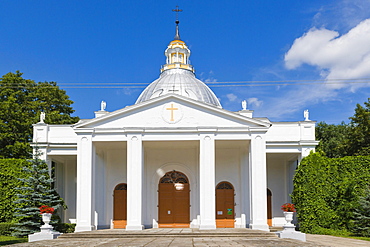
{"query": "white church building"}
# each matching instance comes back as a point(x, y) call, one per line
point(175, 158)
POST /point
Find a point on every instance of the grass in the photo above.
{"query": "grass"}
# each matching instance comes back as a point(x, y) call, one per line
point(5, 240)
point(359, 238)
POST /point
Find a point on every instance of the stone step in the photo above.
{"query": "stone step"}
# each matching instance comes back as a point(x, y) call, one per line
point(276, 228)
point(155, 234)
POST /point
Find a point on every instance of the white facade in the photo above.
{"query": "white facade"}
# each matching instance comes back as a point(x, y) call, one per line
point(138, 144)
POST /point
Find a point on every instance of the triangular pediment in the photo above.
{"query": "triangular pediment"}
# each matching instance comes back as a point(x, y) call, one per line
point(171, 111)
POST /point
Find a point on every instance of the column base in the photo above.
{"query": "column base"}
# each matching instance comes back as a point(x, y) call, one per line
point(292, 234)
point(262, 227)
point(84, 228)
point(207, 227)
point(134, 228)
point(46, 233)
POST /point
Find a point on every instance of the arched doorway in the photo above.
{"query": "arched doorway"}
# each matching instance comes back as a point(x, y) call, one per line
point(174, 200)
point(225, 213)
point(120, 206)
point(269, 209)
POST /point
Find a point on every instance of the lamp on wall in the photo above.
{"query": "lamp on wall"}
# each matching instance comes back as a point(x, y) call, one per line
point(179, 186)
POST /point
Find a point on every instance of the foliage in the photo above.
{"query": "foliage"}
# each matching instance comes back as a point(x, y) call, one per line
point(7, 240)
point(360, 134)
point(10, 171)
point(65, 227)
point(288, 207)
point(361, 226)
point(333, 139)
point(21, 102)
point(36, 192)
point(327, 190)
point(346, 139)
point(5, 228)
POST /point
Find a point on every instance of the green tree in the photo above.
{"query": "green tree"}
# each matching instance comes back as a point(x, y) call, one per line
point(351, 139)
point(21, 102)
point(333, 139)
point(361, 226)
point(36, 191)
point(360, 135)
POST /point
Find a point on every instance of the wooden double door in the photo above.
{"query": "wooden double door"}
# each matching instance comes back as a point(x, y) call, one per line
point(225, 211)
point(174, 200)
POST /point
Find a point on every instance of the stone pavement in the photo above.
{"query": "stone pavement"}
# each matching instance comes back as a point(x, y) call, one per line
point(189, 237)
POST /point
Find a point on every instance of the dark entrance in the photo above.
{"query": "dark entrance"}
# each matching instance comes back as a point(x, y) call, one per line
point(269, 209)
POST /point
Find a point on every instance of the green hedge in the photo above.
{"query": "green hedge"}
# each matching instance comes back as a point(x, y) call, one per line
point(65, 227)
point(5, 229)
point(10, 171)
point(327, 191)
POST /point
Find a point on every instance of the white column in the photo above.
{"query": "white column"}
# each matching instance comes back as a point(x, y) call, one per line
point(207, 182)
point(43, 149)
point(134, 182)
point(244, 180)
point(258, 183)
point(85, 183)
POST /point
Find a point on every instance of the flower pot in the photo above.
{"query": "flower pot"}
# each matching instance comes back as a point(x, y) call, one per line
point(288, 217)
point(46, 217)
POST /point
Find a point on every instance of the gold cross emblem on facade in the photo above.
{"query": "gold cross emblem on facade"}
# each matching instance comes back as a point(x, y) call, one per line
point(172, 109)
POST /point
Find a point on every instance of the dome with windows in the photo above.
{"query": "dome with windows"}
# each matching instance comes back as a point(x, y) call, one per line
point(177, 77)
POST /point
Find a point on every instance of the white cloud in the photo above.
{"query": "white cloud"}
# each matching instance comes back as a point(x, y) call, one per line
point(254, 101)
point(209, 78)
point(338, 57)
point(232, 97)
point(337, 47)
point(296, 100)
point(342, 14)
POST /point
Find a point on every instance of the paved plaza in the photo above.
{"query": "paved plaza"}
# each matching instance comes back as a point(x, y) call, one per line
point(189, 237)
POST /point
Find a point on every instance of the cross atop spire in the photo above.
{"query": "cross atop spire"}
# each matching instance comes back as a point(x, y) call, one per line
point(177, 10)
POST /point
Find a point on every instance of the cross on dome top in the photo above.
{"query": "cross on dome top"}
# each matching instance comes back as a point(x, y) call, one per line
point(177, 10)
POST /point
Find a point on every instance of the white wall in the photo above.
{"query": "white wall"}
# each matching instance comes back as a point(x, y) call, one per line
point(162, 157)
point(280, 171)
point(70, 189)
point(100, 192)
point(116, 173)
point(229, 167)
point(65, 184)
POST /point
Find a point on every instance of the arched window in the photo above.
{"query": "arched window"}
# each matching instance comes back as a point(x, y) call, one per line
point(225, 186)
point(174, 177)
point(121, 187)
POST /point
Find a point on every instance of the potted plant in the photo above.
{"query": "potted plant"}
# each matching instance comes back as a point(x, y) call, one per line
point(289, 210)
point(46, 213)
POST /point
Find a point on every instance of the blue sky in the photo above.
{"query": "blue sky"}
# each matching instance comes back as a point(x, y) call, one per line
point(291, 55)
